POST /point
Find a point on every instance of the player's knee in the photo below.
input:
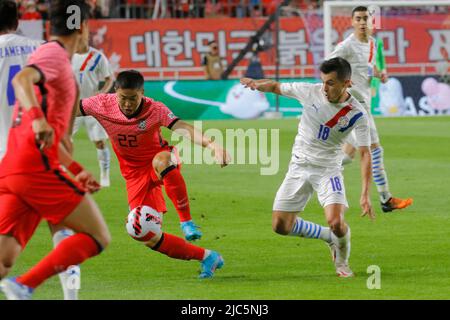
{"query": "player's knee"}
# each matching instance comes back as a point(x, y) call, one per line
point(337, 225)
point(100, 145)
point(281, 227)
point(5, 267)
point(103, 238)
point(162, 161)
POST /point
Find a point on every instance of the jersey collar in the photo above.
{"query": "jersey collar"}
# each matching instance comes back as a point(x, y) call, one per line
point(137, 112)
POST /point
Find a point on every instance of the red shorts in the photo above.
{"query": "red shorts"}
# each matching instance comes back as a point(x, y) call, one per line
point(146, 188)
point(25, 199)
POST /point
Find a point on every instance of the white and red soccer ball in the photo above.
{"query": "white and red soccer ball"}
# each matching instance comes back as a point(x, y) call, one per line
point(144, 223)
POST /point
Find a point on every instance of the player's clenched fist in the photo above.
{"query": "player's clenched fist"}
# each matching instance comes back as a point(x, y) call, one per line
point(87, 180)
point(45, 135)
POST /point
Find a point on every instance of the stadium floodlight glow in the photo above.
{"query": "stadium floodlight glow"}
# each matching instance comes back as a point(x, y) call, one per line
point(329, 5)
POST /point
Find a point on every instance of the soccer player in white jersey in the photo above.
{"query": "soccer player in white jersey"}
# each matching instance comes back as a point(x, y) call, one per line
point(330, 113)
point(359, 49)
point(14, 53)
point(91, 67)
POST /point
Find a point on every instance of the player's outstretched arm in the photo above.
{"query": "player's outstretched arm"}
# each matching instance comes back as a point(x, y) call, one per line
point(263, 85)
point(366, 176)
point(185, 129)
point(23, 84)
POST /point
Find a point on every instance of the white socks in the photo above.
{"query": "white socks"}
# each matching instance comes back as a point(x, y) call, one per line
point(379, 174)
point(104, 160)
point(343, 247)
point(306, 229)
point(70, 279)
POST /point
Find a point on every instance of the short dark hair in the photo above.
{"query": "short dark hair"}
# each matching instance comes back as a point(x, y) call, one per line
point(211, 42)
point(338, 64)
point(359, 9)
point(59, 17)
point(130, 79)
point(9, 15)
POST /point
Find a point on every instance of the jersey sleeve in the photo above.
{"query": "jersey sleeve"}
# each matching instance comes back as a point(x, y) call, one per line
point(296, 90)
point(105, 69)
point(362, 131)
point(339, 51)
point(166, 117)
point(92, 106)
point(47, 63)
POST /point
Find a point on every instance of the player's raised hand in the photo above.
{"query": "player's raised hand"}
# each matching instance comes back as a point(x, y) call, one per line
point(366, 206)
point(45, 135)
point(88, 181)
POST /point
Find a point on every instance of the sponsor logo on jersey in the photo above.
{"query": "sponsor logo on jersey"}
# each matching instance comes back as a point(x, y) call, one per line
point(142, 125)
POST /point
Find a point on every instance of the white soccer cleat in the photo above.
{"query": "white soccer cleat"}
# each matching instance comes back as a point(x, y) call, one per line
point(14, 290)
point(104, 179)
point(344, 271)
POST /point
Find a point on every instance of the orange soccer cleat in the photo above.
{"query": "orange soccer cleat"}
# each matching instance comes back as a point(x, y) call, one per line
point(396, 203)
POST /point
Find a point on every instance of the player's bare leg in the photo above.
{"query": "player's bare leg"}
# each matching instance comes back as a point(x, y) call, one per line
point(388, 202)
point(71, 275)
point(167, 169)
point(340, 239)
point(8, 254)
point(104, 160)
point(92, 236)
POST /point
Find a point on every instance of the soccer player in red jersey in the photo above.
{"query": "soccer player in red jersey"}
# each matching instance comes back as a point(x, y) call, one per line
point(32, 185)
point(133, 122)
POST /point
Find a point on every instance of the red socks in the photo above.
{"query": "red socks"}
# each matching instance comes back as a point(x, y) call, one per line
point(177, 192)
point(177, 248)
point(71, 251)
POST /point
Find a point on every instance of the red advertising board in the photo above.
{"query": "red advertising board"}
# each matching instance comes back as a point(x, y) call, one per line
point(173, 48)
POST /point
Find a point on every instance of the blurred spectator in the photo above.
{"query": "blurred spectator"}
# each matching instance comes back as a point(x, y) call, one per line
point(212, 62)
point(31, 12)
point(95, 11)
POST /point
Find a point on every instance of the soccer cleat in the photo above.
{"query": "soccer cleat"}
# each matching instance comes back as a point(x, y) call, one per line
point(396, 203)
point(190, 231)
point(344, 271)
point(14, 290)
point(209, 265)
point(104, 178)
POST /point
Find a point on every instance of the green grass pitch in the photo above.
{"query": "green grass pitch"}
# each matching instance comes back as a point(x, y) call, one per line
point(233, 207)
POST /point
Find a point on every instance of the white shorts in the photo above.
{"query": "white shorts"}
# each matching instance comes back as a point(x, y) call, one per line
point(302, 180)
point(94, 128)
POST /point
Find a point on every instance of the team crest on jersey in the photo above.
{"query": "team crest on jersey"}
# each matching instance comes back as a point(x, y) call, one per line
point(171, 116)
point(142, 125)
point(343, 122)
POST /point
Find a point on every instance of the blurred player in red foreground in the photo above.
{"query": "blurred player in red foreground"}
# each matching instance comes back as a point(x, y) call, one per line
point(133, 122)
point(32, 185)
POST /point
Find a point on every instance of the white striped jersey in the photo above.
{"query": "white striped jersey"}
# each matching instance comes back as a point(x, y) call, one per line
point(362, 58)
point(14, 53)
point(90, 69)
point(324, 125)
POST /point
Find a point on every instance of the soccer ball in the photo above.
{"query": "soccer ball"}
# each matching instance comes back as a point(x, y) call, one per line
point(144, 223)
